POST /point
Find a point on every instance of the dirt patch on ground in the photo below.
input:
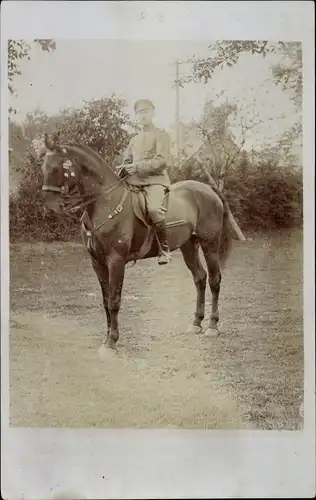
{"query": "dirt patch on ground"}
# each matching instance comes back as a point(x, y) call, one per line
point(250, 376)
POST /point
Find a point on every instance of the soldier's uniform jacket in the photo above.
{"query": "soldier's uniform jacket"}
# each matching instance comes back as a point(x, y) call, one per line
point(150, 151)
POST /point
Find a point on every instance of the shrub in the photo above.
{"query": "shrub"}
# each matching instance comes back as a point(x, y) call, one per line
point(266, 196)
point(261, 196)
point(101, 124)
point(27, 219)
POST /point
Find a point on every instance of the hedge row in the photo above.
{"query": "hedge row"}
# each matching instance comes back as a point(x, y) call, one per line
point(261, 197)
point(266, 197)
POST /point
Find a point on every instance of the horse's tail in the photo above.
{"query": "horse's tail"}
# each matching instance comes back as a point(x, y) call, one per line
point(226, 236)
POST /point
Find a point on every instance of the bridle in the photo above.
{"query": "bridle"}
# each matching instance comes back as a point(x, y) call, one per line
point(67, 171)
point(65, 188)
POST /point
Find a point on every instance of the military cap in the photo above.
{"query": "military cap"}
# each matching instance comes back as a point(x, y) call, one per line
point(142, 104)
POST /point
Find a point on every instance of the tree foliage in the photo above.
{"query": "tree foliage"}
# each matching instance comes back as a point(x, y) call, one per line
point(101, 124)
point(266, 196)
point(219, 151)
point(287, 74)
point(262, 196)
point(19, 49)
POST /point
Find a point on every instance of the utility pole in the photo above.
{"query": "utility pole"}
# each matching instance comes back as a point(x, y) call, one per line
point(178, 109)
point(177, 114)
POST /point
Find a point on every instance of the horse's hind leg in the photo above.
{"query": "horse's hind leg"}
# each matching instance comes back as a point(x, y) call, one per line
point(190, 252)
point(211, 254)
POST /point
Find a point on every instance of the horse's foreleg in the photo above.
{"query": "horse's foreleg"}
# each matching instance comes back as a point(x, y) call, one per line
point(102, 273)
point(116, 265)
point(190, 252)
point(211, 254)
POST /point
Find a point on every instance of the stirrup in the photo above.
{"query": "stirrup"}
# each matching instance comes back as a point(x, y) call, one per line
point(164, 258)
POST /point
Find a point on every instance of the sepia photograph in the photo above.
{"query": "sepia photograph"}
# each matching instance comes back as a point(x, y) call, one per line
point(155, 232)
point(179, 166)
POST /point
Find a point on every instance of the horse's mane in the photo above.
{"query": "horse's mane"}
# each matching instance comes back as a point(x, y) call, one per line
point(93, 161)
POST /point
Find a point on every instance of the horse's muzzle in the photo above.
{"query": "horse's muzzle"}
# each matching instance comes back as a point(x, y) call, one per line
point(52, 202)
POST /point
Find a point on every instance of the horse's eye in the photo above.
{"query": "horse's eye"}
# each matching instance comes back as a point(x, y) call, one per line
point(55, 168)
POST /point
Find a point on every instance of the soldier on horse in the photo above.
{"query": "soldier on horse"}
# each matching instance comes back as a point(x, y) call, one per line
point(146, 161)
point(75, 176)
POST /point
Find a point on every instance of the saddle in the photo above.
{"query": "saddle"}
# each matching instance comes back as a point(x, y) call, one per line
point(139, 204)
point(141, 213)
point(140, 207)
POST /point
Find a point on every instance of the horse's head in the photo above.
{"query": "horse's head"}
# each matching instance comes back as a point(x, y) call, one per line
point(61, 174)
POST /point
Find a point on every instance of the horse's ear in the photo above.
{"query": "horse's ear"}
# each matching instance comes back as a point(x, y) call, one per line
point(56, 139)
point(48, 143)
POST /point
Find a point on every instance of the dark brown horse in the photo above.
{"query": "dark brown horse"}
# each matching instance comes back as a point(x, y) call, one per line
point(115, 230)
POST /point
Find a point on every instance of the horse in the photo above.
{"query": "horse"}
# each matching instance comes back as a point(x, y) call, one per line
point(115, 229)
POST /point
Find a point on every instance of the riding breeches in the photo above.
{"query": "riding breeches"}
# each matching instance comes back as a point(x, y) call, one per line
point(155, 195)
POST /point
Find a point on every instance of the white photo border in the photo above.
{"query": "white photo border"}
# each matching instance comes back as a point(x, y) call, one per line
point(44, 463)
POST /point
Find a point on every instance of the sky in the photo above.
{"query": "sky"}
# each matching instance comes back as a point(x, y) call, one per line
point(88, 69)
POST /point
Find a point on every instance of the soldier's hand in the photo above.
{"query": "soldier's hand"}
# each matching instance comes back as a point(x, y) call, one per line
point(120, 170)
point(130, 168)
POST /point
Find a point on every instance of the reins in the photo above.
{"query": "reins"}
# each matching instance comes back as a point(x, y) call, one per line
point(75, 208)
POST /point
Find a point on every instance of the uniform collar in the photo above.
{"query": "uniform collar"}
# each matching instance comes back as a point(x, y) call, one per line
point(149, 128)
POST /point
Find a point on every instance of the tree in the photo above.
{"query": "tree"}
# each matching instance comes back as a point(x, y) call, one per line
point(283, 153)
point(221, 150)
point(101, 124)
point(17, 50)
point(18, 147)
point(287, 73)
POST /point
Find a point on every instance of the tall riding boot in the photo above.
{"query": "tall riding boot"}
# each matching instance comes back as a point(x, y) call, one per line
point(164, 251)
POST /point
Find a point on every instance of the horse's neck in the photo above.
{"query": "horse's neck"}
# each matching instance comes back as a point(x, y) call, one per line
point(97, 180)
point(104, 201)
point(93, 165)
point(102, 187)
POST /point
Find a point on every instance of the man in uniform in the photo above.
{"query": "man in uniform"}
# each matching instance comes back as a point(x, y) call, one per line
point(146, 160)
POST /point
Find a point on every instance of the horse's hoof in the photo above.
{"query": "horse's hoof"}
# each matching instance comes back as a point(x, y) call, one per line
point(211, 332)
point(106, 352)
point(194, 329)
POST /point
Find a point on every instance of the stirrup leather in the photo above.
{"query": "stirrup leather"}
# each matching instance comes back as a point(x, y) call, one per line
point(164, 252)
